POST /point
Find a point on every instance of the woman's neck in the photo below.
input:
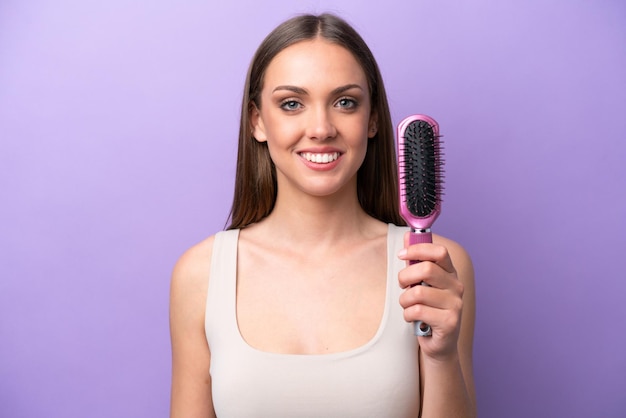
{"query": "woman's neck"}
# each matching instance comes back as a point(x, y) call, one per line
point(319, 219)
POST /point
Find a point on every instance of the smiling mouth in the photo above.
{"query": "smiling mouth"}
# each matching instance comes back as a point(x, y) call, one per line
point(322, 158)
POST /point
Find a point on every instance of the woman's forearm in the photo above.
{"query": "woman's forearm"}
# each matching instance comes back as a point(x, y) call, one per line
point(454, 401)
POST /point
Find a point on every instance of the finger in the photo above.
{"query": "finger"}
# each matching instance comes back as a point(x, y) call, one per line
point(424, 313)
point(435, 253)
point(432, 297)
point(445, 318)
point(426, 271)
point(440, 320)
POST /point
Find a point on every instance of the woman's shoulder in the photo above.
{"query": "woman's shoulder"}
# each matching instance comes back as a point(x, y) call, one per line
point(194, 258)
point(191, 272)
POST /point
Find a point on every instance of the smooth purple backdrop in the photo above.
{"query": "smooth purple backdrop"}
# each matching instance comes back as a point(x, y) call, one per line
point(118, 124)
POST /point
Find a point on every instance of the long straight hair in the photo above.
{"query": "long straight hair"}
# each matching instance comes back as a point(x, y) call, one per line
point(255, 179)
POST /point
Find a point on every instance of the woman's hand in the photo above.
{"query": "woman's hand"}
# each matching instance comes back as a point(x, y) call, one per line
point(440, 304)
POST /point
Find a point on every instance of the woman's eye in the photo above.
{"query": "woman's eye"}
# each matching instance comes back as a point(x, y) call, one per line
point(290, 105)
point(346, 103)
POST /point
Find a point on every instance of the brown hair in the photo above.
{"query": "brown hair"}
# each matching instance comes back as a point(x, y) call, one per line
point(255, 180)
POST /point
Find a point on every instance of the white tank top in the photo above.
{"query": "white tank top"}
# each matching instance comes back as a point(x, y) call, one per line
point(379, 379)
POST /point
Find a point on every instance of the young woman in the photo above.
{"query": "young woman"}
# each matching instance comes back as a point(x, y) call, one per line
point(304, 306)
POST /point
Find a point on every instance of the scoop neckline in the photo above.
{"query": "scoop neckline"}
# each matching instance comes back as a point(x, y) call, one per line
point(338, 354)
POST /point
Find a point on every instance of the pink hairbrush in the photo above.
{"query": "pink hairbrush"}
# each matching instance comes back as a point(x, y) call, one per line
point(420, 174)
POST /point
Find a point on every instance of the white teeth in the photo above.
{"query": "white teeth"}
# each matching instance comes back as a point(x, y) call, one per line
point(320, 158)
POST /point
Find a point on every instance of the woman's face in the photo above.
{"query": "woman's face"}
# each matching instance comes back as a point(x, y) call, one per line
point(315, 116)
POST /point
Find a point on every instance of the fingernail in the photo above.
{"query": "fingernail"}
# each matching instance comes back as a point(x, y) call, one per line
point(402, 253)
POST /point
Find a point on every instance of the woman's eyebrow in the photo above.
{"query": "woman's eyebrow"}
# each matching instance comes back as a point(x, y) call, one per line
point(347, 87)
point(300, 90)
point(297, 90)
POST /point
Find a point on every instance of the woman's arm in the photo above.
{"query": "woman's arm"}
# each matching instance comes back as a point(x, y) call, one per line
point(191, 358)
point(448, 306)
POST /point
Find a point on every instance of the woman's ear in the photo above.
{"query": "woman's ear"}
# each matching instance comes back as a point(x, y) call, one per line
point(372, 127)
point(256, 123)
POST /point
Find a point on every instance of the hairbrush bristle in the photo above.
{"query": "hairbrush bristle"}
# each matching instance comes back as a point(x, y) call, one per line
point(422, 163)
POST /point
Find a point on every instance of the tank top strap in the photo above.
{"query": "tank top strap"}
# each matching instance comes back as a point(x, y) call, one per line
point(221, 313)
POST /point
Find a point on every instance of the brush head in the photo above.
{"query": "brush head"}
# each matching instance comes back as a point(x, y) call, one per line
point(420, 170)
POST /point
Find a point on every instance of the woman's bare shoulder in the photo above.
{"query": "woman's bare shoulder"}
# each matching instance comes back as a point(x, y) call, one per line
point(191, 272)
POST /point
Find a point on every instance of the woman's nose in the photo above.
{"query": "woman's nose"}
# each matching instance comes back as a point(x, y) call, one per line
point(320, 125)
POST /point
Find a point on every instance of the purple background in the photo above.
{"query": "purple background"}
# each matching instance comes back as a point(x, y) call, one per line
point(118, 125)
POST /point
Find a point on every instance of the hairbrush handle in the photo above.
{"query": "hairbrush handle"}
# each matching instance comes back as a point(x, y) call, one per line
point(421, 329)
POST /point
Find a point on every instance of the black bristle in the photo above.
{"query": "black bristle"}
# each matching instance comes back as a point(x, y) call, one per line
point(423, 168)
